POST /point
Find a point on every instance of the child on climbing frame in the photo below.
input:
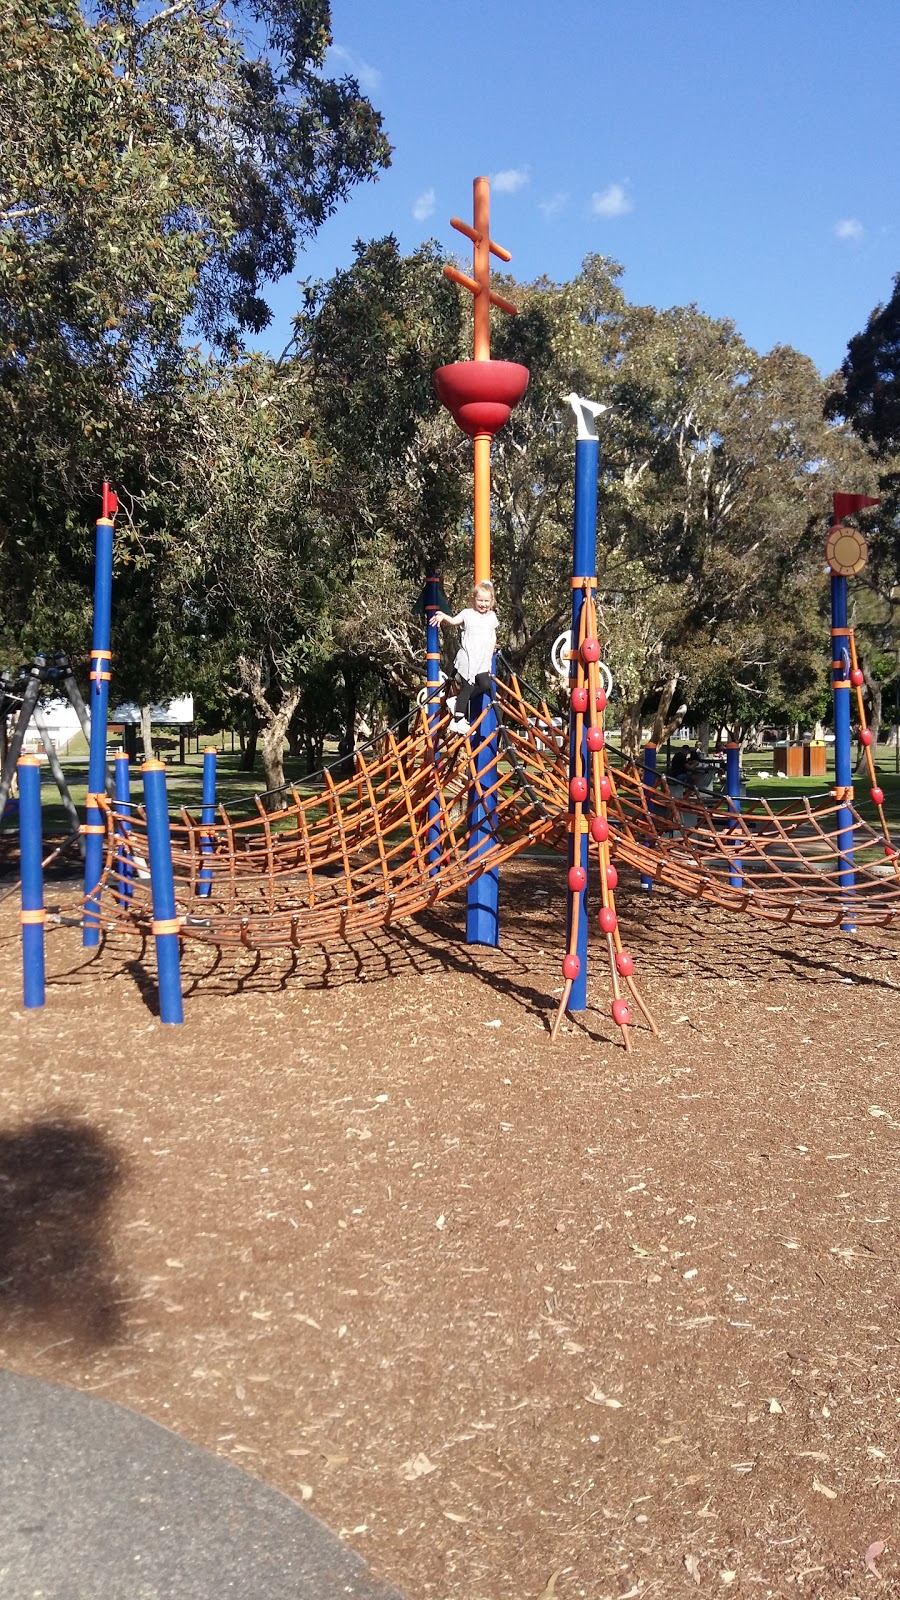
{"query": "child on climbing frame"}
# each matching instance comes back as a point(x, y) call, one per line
point(475, 656)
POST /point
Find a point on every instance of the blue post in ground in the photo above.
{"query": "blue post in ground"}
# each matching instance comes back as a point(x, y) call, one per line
point(208, 817)
point(843, 750)
point(733, 790)
point(123, 826)
point(32, 915)
point(433, 682)
point(649, 786)
point(162, 885)
point(584, 565)
point(483, 899)
point(94, 829)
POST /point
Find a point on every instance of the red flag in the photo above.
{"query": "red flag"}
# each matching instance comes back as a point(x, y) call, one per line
point(846, 504)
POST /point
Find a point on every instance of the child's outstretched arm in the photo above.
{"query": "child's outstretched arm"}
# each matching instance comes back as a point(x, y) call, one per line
point(443, 616)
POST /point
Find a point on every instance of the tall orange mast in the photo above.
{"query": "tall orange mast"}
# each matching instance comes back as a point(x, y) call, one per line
point(475, 398)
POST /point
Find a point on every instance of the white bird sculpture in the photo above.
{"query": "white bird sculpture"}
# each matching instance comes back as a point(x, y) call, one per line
point(586, 414)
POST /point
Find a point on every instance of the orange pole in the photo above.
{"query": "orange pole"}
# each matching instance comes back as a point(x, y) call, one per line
point(481, 215)
point(482, 506)
point(481, 211)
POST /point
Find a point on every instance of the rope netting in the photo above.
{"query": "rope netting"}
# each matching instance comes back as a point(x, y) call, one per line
point(393, 839)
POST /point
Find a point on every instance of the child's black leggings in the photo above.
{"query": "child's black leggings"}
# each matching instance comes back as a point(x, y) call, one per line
point(484, 684)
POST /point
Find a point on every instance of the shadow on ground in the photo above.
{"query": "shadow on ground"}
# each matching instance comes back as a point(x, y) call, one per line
point(58, 1177)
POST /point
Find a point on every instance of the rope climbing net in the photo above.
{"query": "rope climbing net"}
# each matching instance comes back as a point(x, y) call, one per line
point(393, 839)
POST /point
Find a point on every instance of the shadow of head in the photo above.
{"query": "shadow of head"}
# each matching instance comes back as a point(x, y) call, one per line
point(57, 1181)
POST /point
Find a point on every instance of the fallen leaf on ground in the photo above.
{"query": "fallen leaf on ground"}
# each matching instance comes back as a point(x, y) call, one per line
point(776, 1409)
point(875, 1550)
point(549, 1589)
point(417, 1467)
point(822, 1488)
point(693, 1567)
point(598, 1398)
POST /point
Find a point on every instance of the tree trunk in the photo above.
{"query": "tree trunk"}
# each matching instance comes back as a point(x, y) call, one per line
point(664, 724)
point(249, 736)
point(703, 737)
point(632, 727)
point(146, 733)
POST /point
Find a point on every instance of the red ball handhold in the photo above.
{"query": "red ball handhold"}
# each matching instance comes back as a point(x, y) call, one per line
point(857, 678)
point(890, 852)
point(578, 788)
point(590, 650)
point(577, 879)
point(624, 964)
point(607, 919)
point(865, 736)
point(612, 877)
point(605, 788)
point(596, 738)
point(621, 1011)
point(571, 967)
point(579, 699)
point(877, 796)
point(600, 699)
point(599, 829)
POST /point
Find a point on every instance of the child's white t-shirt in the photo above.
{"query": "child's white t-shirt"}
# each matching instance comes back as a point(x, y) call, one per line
point(478, 643)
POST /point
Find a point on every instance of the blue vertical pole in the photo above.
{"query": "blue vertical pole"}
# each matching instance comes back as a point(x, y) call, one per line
point(483, 899)
point(100, 676)
point(33, 914)
point(733, 790)
point(843, 749)
point(208, 817)
point(162, 886)
point(433, 681)
point(649, 786)
point(123, 806)
point(584, 565)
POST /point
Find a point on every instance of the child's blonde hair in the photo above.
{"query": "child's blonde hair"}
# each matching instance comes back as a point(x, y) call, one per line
point(484, 587)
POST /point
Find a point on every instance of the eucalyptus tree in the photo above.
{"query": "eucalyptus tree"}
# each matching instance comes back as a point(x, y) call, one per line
point(158, 164)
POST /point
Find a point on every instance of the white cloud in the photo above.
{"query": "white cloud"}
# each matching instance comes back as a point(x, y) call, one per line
point(367, 77)
point(510, 180)
point(554, 206)
point(849, 228)
point(424, 206)
point(613, 202)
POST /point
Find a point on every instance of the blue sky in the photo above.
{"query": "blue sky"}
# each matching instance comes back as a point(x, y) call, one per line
point(742, 154)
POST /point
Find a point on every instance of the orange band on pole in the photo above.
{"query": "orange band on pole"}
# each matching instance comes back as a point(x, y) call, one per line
point(92, 827)
point(168, 925)
point(27, 918)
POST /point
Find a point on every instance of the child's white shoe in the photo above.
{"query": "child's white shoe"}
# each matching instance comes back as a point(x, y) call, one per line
point(460, 725)
point(450, 703)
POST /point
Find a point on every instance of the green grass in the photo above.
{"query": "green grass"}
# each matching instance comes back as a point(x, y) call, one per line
point(234, 786)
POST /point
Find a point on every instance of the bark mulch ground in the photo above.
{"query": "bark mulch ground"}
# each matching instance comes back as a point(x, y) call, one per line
point(516, 1319)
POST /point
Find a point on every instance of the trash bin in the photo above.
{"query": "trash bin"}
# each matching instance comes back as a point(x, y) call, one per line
point(789, 759)
point(814, 759)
